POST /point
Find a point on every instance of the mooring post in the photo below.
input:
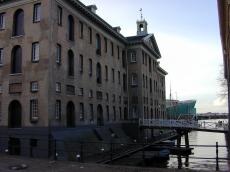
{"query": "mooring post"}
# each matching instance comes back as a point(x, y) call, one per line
point(217, 158)
point(186, 140)
point(178, 141)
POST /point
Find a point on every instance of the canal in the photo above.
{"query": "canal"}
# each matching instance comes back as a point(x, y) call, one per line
point(191, 162)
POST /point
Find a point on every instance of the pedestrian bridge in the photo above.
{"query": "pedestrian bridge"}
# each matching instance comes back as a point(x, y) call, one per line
point(218, 127)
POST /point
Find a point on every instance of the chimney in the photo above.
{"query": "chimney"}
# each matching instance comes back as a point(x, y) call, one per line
point(92, 8)
point(117, 29)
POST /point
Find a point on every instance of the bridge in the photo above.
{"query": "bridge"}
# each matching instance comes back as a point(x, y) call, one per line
point(187, 125)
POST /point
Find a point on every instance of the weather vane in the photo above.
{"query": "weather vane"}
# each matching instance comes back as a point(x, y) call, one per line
point(141, 14)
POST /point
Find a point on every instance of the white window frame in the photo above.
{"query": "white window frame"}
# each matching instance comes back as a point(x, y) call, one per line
point(133, 57)
point(58, 87)
point(2, 21)
point(34, 110)
point(34, 86)
point(37, 13)
point(35, 51)
point(1, 56)
point(58, 55)
point(90, 93)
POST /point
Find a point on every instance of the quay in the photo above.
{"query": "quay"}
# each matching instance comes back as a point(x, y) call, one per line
point(44, 165)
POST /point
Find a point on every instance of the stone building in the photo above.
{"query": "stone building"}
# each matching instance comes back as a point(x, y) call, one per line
point(224, 14)
point(63, 70)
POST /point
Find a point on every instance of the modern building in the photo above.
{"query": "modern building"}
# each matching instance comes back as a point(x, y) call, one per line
point(176, 109)
point(63, 69)
point(224, 14)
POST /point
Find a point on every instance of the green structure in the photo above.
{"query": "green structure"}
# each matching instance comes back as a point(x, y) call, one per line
point(176, 109)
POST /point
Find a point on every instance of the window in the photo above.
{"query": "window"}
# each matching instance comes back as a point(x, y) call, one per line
point(34, 86)
point(70, 63)
point(99, 95)
point(119, 99)
point(90, 93)
point(58, 87)
point(59, 15)
point(91, 112)
point(112, 52)
point(81, 92)
point(1, 89)
point(134, 79)
point(90, 67)
point(150, 65)
point(113, 75)
point(119, 77)
point(150, 85)
point(123, 59)
point(18, 23)
point(81, 29)
point(16, 60)
point(1, 56)
point(58, 56)
point(81, 63)
point(143, 80)
point(107, 97)
point(98, 72)
point(143, 57)
point(120, 113)
point(58, 110)
point(106, 72)
point(2, 21)
point(133, 58)
point(114, 98)
point(98, 44)
point(106, 46)
point(70, 90)
point(70, 28)
point(90, 35)
point(118, 52)
point(35, 52)
point(37, 13)
point(34, 110)
point(81, 111)
point(124, 82)
point(107, 112)
point(114, 113)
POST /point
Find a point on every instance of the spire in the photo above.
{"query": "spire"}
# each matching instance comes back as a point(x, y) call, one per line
point(141, 14)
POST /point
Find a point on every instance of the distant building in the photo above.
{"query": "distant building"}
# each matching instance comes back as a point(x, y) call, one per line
point(176, 109)
point(224, 14)
point(63, 69)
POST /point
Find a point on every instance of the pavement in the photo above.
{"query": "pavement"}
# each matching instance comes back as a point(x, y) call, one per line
point(45, 165)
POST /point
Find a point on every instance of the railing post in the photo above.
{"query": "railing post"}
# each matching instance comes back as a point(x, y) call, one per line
point(217, 158)
point(81, 152)
point(55, 150)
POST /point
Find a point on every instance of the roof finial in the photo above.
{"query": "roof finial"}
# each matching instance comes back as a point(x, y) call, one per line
point(141, 14)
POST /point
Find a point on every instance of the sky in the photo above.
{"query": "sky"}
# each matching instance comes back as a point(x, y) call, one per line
point(187, 34)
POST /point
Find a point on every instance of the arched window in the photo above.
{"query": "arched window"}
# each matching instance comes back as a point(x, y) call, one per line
point(16, 60)
point(98, 44)
point(18, 24)
point(70, 63)
point(98, 72)
point(71, 28)
point(100, 117)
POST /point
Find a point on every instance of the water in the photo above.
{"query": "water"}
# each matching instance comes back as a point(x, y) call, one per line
point(195, 138)
point(203, 138)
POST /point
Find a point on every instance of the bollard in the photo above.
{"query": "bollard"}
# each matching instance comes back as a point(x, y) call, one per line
point(217, 158)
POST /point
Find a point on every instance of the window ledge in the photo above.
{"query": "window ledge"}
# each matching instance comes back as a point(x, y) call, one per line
point(15, 74)
point(17, 36)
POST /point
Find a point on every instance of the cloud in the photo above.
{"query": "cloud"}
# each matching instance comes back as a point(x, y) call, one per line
point(219, 102)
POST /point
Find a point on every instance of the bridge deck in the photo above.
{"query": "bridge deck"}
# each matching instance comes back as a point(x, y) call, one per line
point(184, 125)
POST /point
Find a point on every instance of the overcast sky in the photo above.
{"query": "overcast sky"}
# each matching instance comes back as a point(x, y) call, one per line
point(187, 33)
